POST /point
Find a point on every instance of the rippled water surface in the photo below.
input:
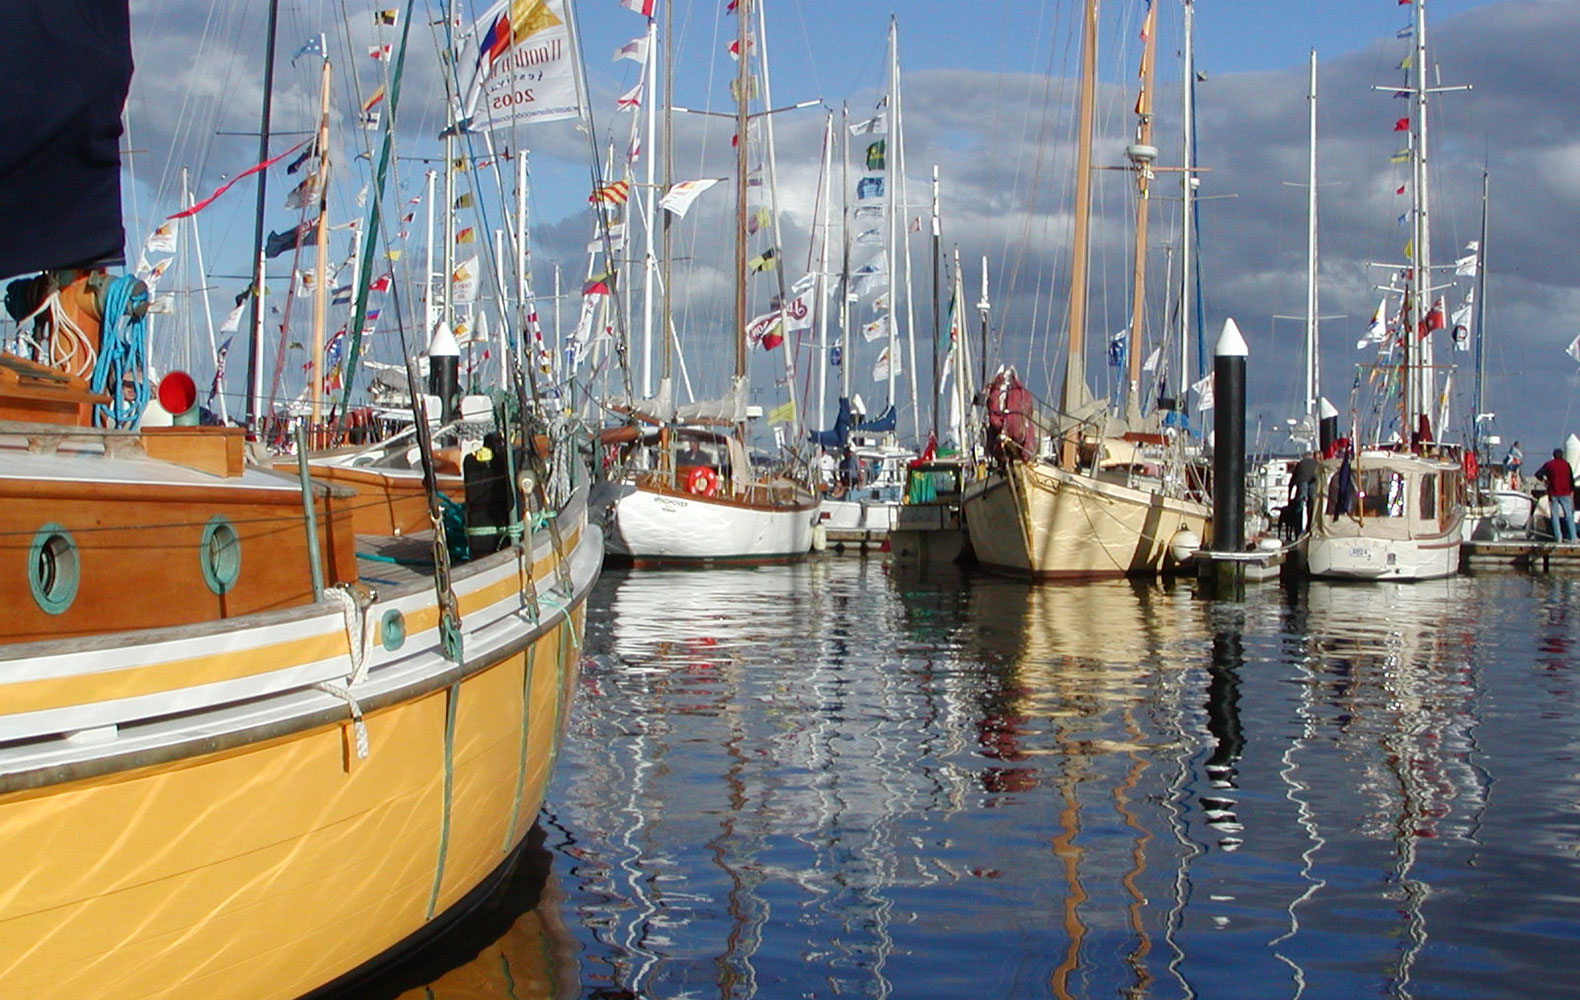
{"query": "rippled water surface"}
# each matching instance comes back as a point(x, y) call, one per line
point(833, 780)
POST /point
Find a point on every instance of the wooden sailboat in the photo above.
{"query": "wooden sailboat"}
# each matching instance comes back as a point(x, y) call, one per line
point(1391, 510)
point(1079, 493)
point(706, 502)
point(243, 749)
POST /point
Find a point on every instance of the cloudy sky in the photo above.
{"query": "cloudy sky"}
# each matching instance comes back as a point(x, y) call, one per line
point(987, 99)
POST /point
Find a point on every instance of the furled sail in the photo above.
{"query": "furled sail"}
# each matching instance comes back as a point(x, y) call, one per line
point(729, 409)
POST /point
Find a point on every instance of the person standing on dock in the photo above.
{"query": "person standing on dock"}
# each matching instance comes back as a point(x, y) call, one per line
point(1560, 496)
point(1512, 462)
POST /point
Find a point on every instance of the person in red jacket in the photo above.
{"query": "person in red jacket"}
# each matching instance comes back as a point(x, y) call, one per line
point(1560, 496)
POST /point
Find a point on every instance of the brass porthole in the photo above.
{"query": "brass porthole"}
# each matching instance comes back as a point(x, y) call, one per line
point(53, 569)
point(219, 554)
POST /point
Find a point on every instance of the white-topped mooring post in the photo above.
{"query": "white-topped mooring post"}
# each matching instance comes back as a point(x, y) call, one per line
point(1228, 451)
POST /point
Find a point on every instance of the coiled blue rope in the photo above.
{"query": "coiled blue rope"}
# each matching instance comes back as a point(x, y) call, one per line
point(123, 352)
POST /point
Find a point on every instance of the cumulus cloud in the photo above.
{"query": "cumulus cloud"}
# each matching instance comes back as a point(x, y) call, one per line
point(1003, 143)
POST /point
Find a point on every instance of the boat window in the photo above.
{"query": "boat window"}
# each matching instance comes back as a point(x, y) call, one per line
point(392, 630)
point(1428, 497)
point(219, 554)
point(53, 569)
point(1381, 493)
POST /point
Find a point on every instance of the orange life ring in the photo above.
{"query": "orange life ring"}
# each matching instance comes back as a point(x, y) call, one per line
point(702, 481)
point(1471, 466)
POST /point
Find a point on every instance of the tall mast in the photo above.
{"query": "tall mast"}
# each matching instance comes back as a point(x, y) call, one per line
point(1480, 321)
point(844, 264)
point(1419, 377)
point(894, 161)
point(255, 345)
point(820, 295)
point(984, 307)
point(892, 224)
point(666, 303)
point(1075, 364)
point(772, 179)
point(1313, 358)
point(1142, 153)
point(742, 81)
point(1187, 205)
point(321, 256)
point(937, 254)
point(650, 85)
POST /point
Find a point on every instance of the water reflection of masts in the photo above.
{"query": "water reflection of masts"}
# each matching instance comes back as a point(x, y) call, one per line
point(1406, 830)
point(1420, 714)
point(1295, 625)
point(1086, 653)
point(734, 965)
point(1065, 848)
point(864, 856)
point(1138, 857)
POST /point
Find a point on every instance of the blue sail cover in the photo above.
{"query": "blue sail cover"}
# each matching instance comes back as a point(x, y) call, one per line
point(63, 81)
point(834, 439)
point(883, 423)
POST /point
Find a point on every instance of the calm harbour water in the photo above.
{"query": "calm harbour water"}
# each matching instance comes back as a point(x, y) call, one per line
point(836, 780)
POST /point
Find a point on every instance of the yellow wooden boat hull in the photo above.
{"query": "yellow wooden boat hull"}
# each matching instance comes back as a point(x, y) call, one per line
point(242, 848)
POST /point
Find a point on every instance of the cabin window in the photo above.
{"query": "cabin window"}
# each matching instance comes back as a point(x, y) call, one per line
point(392, 630)
point(53, 569)
point(1381, 493)
point(219, 554)
point(1428, 497)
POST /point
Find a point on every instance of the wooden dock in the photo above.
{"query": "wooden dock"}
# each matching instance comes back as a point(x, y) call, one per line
point(1520, 555)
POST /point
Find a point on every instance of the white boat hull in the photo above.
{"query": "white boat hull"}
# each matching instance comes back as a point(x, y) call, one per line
point(860, 521)
point(1386, 535)
point(648, 526)
point(1371, 558)
point(1043, 522)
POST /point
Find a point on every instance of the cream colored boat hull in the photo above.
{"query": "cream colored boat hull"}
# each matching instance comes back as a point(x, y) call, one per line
point(1040, 521)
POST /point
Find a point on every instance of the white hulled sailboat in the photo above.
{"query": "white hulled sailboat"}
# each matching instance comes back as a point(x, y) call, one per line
point(1393, 511)
point(694, 495)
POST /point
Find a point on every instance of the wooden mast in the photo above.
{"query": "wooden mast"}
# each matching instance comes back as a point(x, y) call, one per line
point(321, 260)
point(1141, 157)
point(1075, 366)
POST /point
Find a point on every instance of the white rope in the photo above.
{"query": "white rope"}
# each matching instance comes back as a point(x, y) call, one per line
point(67, 342)
point(359, 629)
point(357, 725)
point(354, 604)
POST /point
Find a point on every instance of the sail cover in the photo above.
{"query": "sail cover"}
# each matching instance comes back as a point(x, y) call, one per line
point(846, 424)
point(834, 438)
point(63, 80)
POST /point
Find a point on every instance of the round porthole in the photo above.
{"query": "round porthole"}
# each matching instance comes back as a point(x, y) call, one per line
point(53, 569)
point(392, 630)
point(220, 554)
